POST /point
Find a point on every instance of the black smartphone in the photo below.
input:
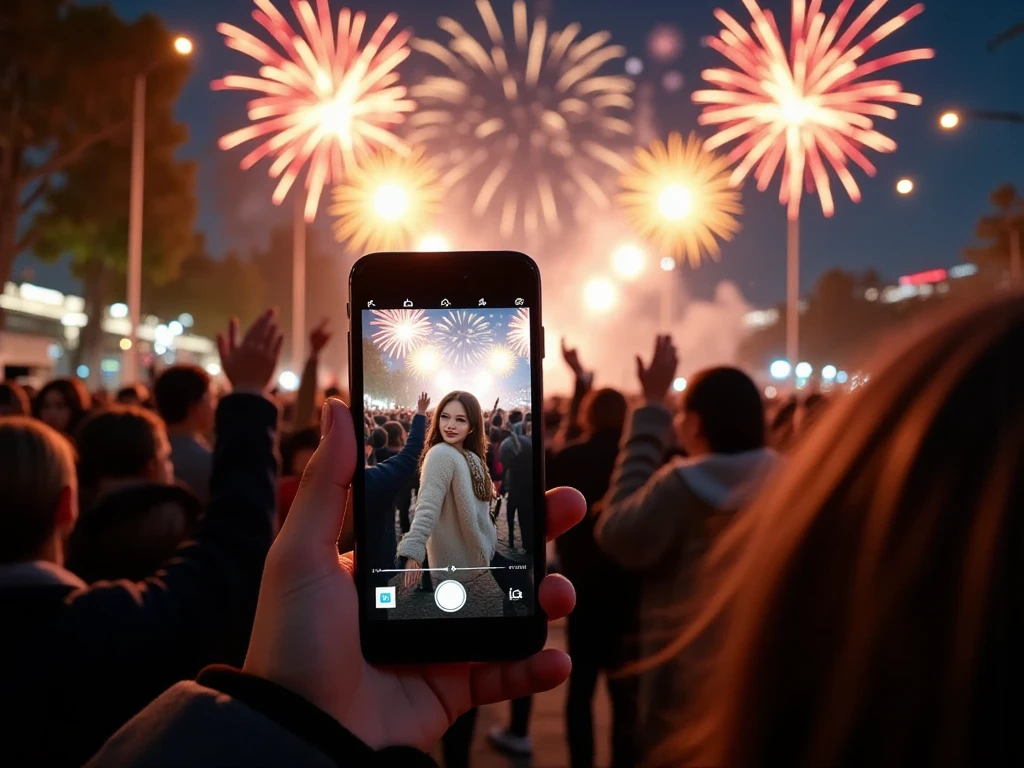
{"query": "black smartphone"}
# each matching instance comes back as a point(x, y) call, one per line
point(448, 499)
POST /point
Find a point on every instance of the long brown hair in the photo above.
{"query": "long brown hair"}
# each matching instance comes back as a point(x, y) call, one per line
point(870, 600)
point(476, 440)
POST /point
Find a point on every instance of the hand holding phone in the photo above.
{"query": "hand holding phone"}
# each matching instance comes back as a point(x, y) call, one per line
point(306, 638)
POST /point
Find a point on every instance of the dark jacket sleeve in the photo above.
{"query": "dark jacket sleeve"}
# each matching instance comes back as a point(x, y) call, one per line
point(230, 718)
point(385, 479)
point(144, 636)
point(644, 510)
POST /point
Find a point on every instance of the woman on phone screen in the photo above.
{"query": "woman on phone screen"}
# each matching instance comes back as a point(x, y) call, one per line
point(452, 525)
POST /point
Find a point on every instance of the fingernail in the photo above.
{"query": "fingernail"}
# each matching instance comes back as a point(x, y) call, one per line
point(326, 419)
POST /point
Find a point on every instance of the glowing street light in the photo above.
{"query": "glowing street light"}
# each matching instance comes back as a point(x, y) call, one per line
point(780, 369)
point(183, 46)
point(628, 261)
point(905, 186)
point(949, 120)
point(599, 294)
point(829, 372)
point(803, 370)
point(434, 243)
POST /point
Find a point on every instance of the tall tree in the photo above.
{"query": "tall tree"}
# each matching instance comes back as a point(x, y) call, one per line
point(87, 215)
point(1001, 232)
point(66, 75)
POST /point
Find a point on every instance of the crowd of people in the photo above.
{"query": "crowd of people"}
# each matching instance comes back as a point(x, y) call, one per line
point(822, 581)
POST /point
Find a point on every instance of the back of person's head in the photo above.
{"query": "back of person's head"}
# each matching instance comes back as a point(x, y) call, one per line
point(38, 488)
point(182, 393)
point(379, 438)
point(298, 449)
point(380, 420)
point(120, 443)
point(729, 408)
point(494, 435)
point(13, 400)
point(515, 417)
point(133, 394)
point(604, 410)
point(497, 420)
point(396, 434)
point(871, 599)
point(62, 404)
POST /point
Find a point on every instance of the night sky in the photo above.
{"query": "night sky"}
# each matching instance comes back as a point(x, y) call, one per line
point(954, 172)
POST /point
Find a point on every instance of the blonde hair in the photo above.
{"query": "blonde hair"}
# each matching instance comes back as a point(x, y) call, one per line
point(38, 464)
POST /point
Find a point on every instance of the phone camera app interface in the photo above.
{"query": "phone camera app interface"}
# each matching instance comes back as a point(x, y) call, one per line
point(449, 481)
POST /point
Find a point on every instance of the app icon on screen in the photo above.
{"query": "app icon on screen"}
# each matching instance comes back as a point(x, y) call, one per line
point(386, 597)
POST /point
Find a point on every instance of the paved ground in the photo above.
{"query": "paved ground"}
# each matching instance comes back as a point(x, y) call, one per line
point(546, 727)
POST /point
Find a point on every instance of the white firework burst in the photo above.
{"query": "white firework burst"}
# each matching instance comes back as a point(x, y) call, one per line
point(519, 333)
point(463, 337)
point(401, 330)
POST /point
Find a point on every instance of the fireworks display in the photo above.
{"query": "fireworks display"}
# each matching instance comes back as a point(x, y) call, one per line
point(424, 362)
point(501, 360)
point(386, 202)
point(678, 196)
point(525, 126)
point(400, 331)
point(809, 108)
point(519, 333)
point(463, 337)
point(324, 102)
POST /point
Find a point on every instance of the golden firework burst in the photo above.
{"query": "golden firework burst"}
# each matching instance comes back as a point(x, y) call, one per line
point(678, 196)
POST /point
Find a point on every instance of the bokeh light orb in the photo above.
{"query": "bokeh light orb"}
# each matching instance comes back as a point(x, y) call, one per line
point(183, 46)
point(599, 294)
point(665, 43)
point(679, 385)
point(905, 186)
point(634, 66)
point(949, 120)
point(803, 370)
point(780, 369)
point(673, 81)
point(628, 261)
point(667, 264)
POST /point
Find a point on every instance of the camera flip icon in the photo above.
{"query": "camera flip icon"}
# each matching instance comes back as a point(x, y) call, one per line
point(515, 594)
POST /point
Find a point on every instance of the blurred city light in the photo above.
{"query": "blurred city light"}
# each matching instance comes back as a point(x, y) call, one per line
point(599, 294)
point(668, 263)
point(83, 371)
point(125, 344)
point(175, 327)
point(119, 310)
point(842, 377)
point(675, 202)
point(390, 202)
point(904, 186)
point(186, 319)
point(289, 381)
point(829, 372)
point(434, 243)
point(949, 120)
point(634, 66)
point(679, 385)
point(213, 369)
point(183, 45)
point(771, 392)
point(628, 261)
point(803, 370)
point(780, 369)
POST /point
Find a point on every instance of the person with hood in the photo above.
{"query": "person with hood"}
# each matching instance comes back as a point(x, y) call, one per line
point(133, 515)
point(659, 520)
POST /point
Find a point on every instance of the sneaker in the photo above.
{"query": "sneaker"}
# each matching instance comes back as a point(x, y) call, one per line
point(503, 740)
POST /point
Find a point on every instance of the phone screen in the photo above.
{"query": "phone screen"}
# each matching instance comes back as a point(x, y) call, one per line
point(450, 486)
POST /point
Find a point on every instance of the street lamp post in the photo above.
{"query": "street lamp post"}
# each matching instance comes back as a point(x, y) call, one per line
point(183, 47)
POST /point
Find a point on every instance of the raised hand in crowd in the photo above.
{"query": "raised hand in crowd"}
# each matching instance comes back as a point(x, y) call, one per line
point(249, 365)
point(319, 337)
point(572, 359)
point(304, 653)
point(656, 378)
point(422, 404)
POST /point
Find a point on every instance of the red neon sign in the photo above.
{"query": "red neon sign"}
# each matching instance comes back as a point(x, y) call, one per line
point(920, 278)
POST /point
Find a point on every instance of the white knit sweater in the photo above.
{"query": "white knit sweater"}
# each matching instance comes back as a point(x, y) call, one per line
point(451, 525)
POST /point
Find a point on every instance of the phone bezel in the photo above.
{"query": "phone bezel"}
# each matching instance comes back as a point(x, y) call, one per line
point(463, 277)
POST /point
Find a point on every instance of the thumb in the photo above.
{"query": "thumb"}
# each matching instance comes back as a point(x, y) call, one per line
point(318, 511)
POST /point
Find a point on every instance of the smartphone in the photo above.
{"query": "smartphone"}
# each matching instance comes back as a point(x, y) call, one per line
point(449, 504)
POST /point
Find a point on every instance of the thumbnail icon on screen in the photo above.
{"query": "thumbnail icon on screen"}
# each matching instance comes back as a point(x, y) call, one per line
point(386, 597)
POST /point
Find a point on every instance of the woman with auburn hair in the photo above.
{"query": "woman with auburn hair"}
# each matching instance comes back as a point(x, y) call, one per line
point(867, 610)
point(452, 524)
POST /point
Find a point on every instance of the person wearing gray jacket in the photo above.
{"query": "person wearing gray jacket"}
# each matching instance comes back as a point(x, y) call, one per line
point(659, 520)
